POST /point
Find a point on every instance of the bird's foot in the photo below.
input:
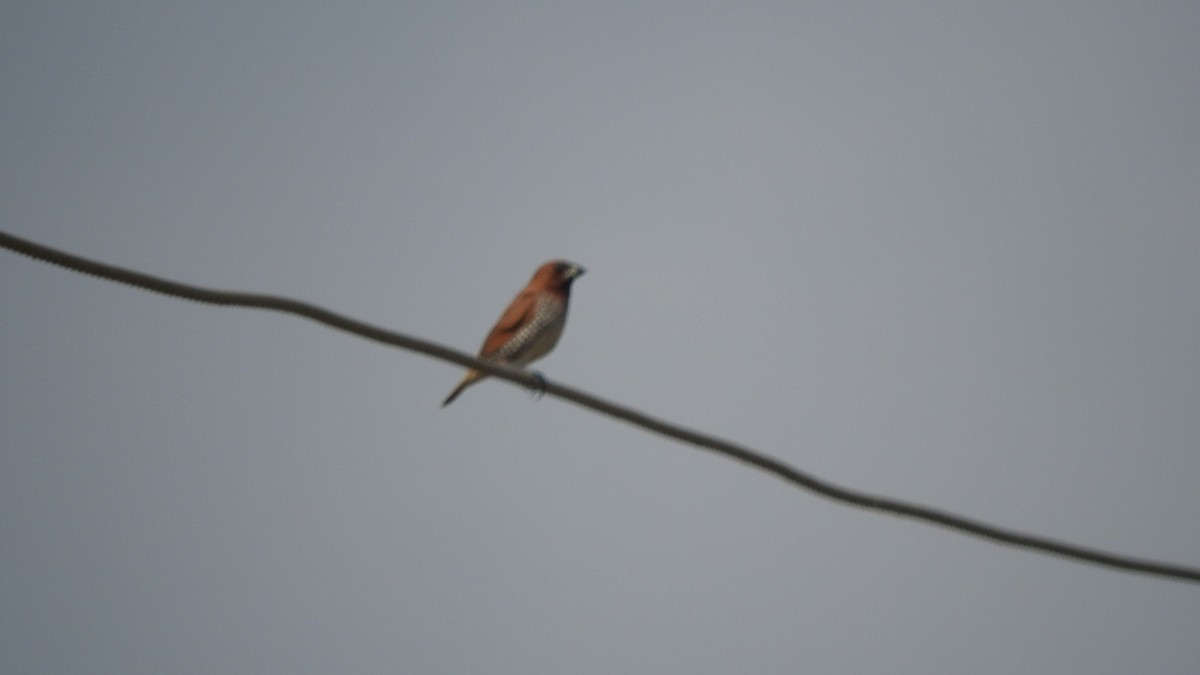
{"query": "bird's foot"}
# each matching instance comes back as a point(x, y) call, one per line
point(538, 390)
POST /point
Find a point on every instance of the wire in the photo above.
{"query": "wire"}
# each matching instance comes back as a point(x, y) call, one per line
point(525, 378)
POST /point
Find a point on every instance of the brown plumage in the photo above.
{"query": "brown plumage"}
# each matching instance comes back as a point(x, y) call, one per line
point(531, 325)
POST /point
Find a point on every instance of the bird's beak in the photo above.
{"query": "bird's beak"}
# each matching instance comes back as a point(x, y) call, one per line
point(575, 271)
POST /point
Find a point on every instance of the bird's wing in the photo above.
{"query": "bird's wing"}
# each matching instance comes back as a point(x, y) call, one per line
point(519, 313)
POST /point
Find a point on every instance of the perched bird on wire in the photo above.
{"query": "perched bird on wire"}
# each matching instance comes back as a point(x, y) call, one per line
point(531, 325)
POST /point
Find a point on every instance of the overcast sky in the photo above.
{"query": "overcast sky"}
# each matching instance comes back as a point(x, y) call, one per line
point(941, 251)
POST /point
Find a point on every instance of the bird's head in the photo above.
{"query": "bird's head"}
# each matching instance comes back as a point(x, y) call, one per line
point(557, 274)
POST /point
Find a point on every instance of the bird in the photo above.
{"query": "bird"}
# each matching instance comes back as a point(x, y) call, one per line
point(531, 325)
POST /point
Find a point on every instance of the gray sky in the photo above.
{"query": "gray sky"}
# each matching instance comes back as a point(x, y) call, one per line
point(945, 252)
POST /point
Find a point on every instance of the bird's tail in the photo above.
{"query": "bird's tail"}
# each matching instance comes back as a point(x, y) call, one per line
point(472, 377)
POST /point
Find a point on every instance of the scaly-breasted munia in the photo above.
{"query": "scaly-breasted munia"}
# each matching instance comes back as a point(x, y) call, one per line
point(531, 325)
